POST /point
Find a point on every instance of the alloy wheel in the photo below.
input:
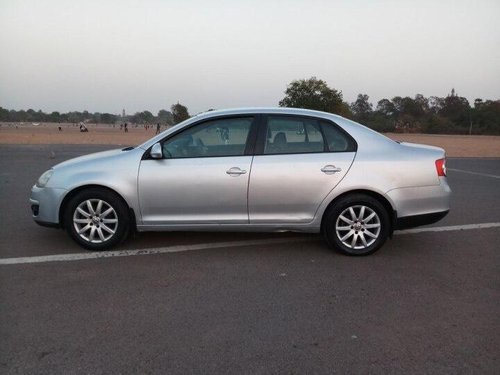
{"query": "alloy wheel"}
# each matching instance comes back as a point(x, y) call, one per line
point(95, 221)
point(358, 227)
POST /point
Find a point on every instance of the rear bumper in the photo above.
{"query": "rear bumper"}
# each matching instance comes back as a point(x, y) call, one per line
point(421, 200)
point(418, 220)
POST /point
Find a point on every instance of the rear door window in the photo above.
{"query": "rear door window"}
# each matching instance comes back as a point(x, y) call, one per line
point(293, 135)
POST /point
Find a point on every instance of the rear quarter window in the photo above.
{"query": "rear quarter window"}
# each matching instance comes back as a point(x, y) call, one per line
point(337, 140)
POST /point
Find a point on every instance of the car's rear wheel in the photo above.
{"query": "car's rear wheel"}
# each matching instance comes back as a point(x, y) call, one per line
point(356, 224)
point(97, 219)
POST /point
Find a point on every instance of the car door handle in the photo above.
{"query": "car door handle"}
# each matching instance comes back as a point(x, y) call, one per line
point(235, 171)
point(330, 169)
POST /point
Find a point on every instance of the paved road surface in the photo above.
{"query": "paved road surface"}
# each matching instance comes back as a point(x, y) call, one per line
point(426, 302)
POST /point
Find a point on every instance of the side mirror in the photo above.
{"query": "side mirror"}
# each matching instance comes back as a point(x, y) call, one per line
point(156, 151)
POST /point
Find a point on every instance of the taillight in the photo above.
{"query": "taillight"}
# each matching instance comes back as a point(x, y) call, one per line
point(441, 167)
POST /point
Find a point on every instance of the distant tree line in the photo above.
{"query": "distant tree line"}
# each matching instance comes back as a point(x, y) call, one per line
point(38, 116)
point(449, 115)
point(177, 113)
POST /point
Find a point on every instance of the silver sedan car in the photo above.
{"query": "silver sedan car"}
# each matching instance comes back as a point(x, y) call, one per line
point(272, 169)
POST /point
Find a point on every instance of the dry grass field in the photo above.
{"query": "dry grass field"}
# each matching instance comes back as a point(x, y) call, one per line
point(455, 145)
point(70, 134)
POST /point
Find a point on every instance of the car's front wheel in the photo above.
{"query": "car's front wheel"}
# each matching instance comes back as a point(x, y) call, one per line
point(357, 224)
point(97, 219)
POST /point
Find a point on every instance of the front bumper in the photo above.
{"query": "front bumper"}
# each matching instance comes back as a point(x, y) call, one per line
point(45, 203)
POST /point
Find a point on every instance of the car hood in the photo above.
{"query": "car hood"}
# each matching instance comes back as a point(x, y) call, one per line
point(103, 155)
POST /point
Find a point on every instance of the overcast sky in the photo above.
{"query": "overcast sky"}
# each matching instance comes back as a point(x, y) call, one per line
point(106, 55)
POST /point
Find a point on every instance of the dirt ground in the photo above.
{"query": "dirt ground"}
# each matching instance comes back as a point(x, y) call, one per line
point(70, 134)
point(455, 145)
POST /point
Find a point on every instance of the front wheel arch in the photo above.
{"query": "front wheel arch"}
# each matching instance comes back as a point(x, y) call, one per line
point(72, 193)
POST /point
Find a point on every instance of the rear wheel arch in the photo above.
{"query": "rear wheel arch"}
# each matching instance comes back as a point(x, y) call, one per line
point(357, 222)
point(379, 197)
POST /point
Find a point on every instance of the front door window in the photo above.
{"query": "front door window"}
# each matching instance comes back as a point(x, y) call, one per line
point(223, 137)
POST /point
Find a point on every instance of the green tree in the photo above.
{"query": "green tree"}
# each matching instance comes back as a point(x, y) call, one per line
point(422, 103)
point(409, 106)
point(144, 117)
point(456, 108)
point(165, 116)
point(54, 117)
point(435, 104)
point(485, 117)
point(30, 115)
point(313, 93)
point(75, 117)
point(179, 113)
point(362, 108)
point(386, 108)
point(147, 116)
point(4, 114)
point(345, 111)
point(96, 118)
point(108, 118)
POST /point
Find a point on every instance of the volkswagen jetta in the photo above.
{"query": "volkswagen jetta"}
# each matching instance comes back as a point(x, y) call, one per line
point(276, 169)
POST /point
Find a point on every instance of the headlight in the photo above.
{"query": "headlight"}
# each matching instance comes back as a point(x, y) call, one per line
point(44, 178)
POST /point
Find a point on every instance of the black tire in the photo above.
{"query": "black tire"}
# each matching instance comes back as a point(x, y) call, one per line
point(113, 217)
point(356, 238)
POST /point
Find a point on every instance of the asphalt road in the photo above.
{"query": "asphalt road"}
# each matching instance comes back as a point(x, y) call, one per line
point(425, 303)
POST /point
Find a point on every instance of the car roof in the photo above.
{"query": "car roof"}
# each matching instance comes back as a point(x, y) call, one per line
point(266, 110)
point(356, 130)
